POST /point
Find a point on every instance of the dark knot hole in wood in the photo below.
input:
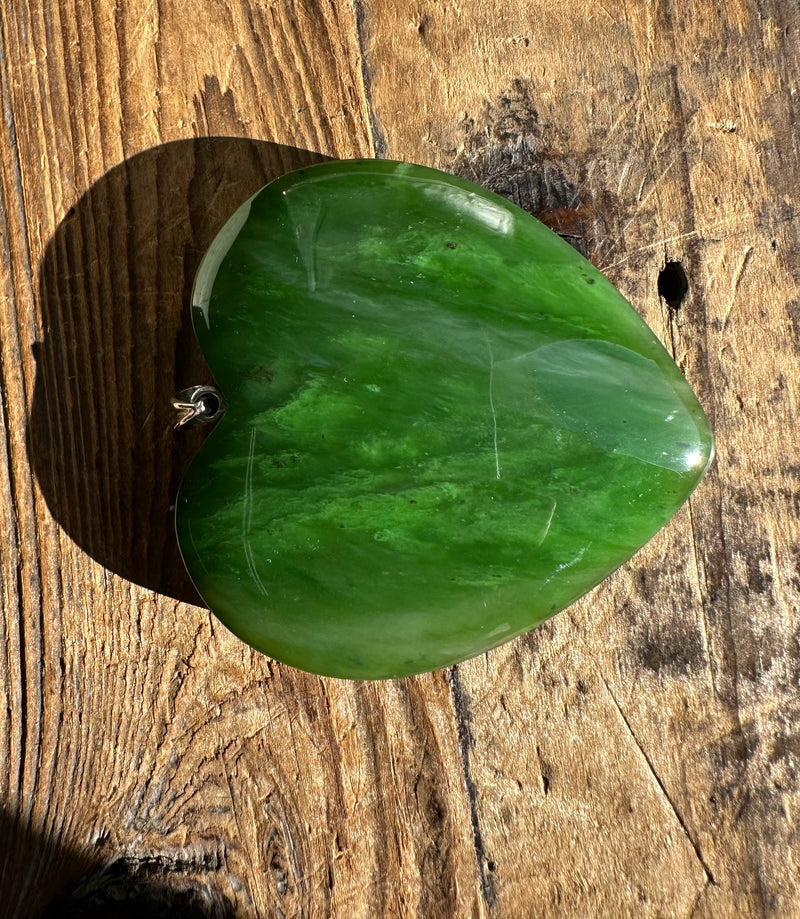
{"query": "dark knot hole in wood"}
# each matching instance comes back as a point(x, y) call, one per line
point(673, 285)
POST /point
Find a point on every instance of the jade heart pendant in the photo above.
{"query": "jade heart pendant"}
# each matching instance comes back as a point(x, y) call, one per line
point(443, 424)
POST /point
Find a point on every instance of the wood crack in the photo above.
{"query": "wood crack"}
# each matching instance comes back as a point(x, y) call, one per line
point(377, 137)
point(465, 742)
point(706, 870)
point(698, 898)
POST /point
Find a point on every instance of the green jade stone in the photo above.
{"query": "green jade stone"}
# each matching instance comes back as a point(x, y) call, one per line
point(443, 426)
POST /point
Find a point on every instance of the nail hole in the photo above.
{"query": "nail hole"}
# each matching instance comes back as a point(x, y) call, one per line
point(673, 285)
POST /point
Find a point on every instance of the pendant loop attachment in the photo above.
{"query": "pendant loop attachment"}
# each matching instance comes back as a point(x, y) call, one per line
point(198, 405)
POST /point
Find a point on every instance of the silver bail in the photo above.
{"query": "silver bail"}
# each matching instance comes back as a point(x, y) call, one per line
point(198, 405)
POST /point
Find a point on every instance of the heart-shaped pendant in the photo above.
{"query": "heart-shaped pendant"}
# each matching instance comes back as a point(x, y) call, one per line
point(443, 424)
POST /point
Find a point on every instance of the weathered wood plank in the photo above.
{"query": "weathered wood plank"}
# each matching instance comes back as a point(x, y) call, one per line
point(147, 756)
point(636, 755)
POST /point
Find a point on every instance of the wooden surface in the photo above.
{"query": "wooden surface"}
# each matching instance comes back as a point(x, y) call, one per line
point(637, 756)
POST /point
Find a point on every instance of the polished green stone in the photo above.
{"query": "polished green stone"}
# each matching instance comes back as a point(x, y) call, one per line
point(444, 425)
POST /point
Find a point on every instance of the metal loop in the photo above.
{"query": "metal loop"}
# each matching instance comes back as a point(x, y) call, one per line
point(198, 405)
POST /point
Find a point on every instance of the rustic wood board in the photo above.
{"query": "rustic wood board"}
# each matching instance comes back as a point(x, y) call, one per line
point(639, 755)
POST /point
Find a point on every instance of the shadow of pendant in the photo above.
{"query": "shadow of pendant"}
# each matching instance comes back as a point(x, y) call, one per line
point(118, 344)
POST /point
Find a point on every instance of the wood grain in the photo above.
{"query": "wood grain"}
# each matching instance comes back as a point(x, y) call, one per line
point(636, 756)
point(647, 731)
